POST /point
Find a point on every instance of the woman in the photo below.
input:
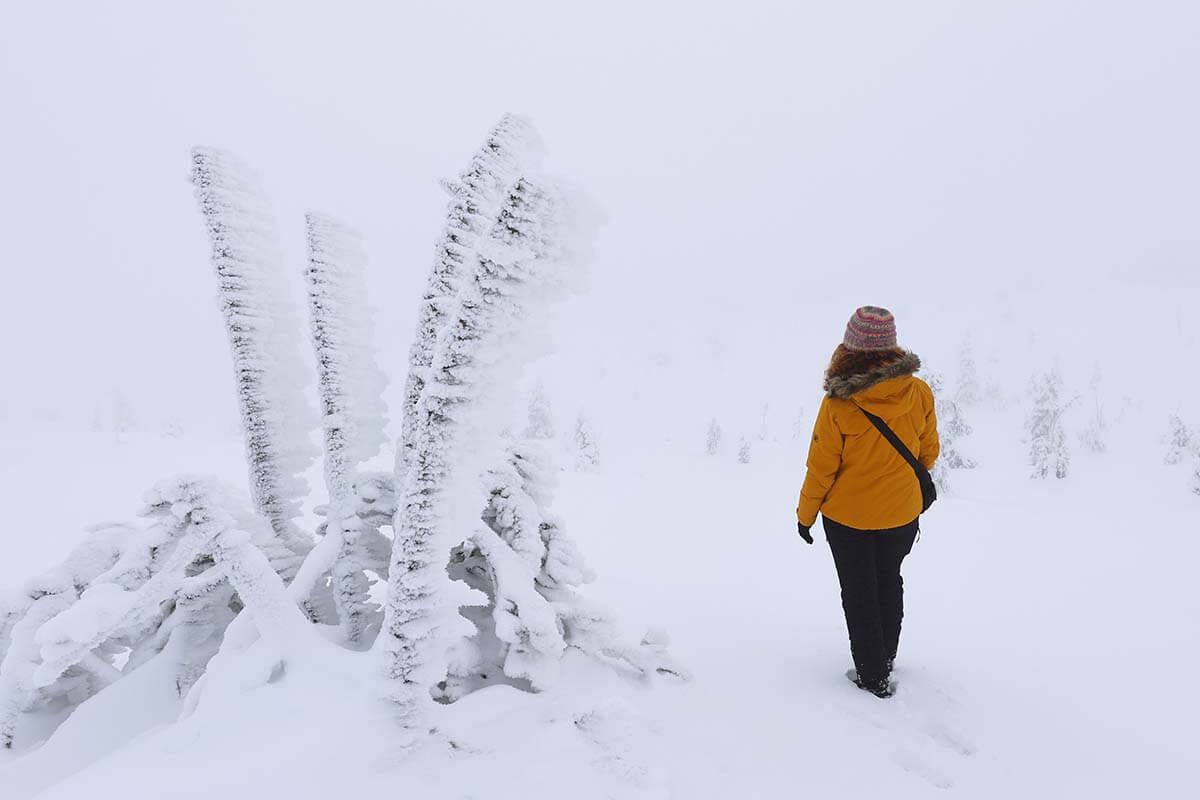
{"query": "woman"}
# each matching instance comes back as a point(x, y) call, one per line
point(868, 495)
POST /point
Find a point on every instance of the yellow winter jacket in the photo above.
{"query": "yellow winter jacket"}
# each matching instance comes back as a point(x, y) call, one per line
point(855, 476)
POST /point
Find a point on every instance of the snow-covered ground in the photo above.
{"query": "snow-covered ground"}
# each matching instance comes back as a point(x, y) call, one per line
point(1050, 627)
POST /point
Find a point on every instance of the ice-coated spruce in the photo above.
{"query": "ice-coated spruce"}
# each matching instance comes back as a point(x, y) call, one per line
point(1180, 441)
point(712, 441)
point(129, 594)
point(349, 381)
point(501, 302)
point(587, 452)
point(1048, 451)
point(539, 417)
point(264, 334)
point(353, 414)
point(952, 426)
point(968, 392)
point(532, 573)
point(511, 148)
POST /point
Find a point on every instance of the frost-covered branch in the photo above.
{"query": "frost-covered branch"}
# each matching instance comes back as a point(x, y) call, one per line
point(532, 573)
point(263, 330)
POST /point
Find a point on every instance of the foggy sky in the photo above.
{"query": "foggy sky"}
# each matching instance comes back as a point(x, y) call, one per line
point(760, 165)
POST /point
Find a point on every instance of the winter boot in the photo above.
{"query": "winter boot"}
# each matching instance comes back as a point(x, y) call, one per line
point(881, 688)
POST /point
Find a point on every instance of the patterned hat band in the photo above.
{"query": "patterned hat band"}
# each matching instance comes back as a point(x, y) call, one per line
point(870, 328)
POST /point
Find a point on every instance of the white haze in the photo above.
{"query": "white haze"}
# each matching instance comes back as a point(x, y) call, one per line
point(764, 167)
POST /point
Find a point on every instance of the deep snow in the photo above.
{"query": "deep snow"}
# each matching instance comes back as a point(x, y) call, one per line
point(1043, 620)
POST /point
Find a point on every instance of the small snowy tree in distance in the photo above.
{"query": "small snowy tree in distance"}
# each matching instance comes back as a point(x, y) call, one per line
point(123, 418)
point(1180, 442)
point(1048, 452)
point(952, 426)
point(540, 422)
point(712, 441)
point(968, 391)
point(587, 452)
point(264, 335)
point(743, 453)
point(1093, 433)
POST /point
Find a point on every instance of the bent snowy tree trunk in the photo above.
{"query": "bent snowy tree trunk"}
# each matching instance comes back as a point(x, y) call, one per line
point(511, 148)
point(263, 331)
point(439, 506)
point(353, 411)
point(350, 382)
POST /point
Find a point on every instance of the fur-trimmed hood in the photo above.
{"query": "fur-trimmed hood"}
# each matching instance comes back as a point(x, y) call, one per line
point(843, 386)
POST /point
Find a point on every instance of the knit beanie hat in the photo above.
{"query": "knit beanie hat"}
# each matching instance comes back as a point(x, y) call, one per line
point(870, 328)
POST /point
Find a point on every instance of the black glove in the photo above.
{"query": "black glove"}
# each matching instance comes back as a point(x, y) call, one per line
point(804, 531)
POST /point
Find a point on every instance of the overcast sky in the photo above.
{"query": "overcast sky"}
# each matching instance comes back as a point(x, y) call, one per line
point(752, 159)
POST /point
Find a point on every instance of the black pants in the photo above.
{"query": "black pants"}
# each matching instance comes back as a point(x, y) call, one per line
point(868, 567)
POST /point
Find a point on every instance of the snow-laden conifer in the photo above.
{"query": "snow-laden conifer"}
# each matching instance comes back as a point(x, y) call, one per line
point(968, 392)
point(1180, 441)
point(457, 428)
point(127, 594)
point(349, 380)
point(1093, 434)
point(712, 440)
point(1048, 451)
point(952, 427)
point(511, 148)
point(353, 412)
point(540, 417)
point(743, 452)
point(532, 574)
point(587, 451)
point(801, 426)
point(264, 335)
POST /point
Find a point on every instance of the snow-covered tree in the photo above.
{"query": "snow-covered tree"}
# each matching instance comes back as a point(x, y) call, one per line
point(712, 441)
point(438, 505)
point(1093, 435)
point(952, 427)
point(511, 148)
point(540, 418)
point(1196, 480)
point(587, 452)
point(264, 335)
point(349, 380)
point(1048, 452)
point(968, 391)
point(743, 453)
point(353, 552)
point(531, 573)
point(1180, 441)
point(131, 593)
point(800, 426)
point(483, 582)
point(122, 417)
point(353, 412)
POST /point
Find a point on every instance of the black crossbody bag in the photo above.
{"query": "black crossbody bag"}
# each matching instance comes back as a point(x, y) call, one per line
point(928, 490)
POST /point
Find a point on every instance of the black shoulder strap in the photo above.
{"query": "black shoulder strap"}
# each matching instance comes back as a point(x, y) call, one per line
point(891, 436)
